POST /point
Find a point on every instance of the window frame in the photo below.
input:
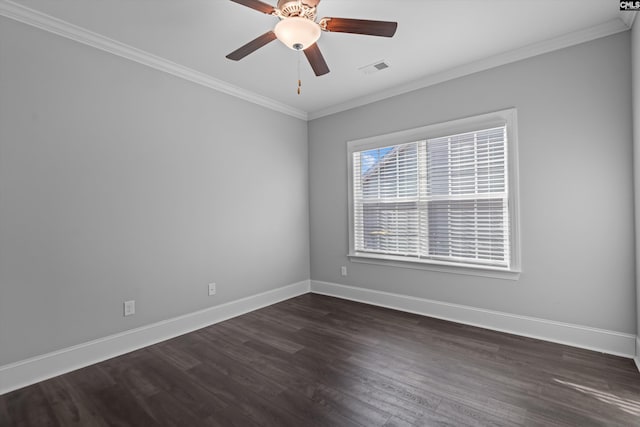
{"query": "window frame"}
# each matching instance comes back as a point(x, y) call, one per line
point(506, 117)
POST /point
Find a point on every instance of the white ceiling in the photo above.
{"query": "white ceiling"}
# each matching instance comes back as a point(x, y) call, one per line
point(434, 39)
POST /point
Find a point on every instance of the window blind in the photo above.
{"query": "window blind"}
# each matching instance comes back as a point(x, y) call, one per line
point(443, 198)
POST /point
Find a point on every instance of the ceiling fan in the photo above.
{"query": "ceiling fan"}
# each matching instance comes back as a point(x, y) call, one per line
point(298, 29)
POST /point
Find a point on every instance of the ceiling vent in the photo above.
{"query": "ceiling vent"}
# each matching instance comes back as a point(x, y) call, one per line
point(375, 67)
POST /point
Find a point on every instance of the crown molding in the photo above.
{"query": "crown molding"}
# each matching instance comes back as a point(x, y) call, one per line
point(628, 17)
point(34, 18)
point(606, 29)
point(25, 15)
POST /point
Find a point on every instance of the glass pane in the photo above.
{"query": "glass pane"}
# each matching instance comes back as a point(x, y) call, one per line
point(391, 228)
point(468, 163)
point(472, 229)
point(389, 172)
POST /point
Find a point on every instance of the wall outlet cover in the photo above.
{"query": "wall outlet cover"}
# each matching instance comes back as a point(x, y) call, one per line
point(129, 307)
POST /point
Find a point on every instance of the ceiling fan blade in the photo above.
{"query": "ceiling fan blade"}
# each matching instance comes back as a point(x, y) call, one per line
point(252, 46)
point(316, 60)
point(360, 26)
point(257, 5)
point(311, 3)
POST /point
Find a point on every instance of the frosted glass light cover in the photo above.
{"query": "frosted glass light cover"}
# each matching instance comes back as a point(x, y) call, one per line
point(297, 31)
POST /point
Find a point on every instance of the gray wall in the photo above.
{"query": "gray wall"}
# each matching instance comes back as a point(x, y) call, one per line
point(576, 186)
point(121, 182)
point(635, 58)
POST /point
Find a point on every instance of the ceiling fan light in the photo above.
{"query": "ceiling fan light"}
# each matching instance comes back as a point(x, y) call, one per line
point(297, 33)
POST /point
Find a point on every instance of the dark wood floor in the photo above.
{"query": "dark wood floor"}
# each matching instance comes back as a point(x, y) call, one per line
point(320, 361)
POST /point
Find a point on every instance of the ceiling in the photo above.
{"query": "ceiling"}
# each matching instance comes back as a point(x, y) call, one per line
point(435, 40)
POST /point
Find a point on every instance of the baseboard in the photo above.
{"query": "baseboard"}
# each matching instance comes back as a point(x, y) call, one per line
point(20, 374)
point(25, 372)
point(637, 358)
point(601, 340)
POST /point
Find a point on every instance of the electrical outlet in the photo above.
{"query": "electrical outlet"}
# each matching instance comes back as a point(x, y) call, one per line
point(129, 308)
point(212, 289)
point(343, 271)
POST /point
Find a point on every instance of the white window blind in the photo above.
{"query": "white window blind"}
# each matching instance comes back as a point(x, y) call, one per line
point(440, 199)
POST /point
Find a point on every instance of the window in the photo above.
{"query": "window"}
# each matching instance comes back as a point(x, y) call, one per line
point(442, 195)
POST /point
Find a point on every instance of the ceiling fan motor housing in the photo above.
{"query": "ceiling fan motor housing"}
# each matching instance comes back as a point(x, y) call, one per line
point(290, 8)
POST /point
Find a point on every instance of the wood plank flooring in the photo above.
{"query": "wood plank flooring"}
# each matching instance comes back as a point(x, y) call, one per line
point(321, 361)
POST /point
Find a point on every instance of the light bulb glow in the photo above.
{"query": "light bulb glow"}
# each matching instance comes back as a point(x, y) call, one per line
point(297, 31)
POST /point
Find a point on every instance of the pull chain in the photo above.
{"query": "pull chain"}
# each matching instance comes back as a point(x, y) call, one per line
point(299, 81)
point(299, 52)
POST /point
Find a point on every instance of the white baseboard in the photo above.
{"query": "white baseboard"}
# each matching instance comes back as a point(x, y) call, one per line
point(637, 358)
point(601, 340)
point(25, 372)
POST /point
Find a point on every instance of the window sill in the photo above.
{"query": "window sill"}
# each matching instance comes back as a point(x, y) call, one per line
point(442, 267)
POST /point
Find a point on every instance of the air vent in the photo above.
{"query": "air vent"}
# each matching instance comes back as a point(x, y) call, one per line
point(375, 67)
